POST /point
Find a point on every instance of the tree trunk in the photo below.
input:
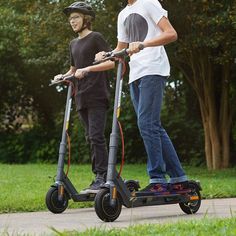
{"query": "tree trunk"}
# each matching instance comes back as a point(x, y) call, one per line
point(216, 118)
point(225, 116)
point(208, 149)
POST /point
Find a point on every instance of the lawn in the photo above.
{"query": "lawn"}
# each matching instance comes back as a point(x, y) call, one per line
point(203, 227)
point(23, 187)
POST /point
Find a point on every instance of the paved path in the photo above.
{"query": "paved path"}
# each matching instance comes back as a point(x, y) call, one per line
point(38, 223)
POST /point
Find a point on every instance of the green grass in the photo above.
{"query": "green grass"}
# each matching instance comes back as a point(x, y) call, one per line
point(23, 187)
point(206, 226)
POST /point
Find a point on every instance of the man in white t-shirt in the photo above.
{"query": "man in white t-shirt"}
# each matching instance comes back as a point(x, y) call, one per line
point(143, 28)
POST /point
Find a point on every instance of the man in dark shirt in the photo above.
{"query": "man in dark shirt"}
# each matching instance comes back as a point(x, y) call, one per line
point(91, 86)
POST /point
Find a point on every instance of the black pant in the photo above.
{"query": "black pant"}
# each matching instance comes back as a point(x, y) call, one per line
point(94, 121)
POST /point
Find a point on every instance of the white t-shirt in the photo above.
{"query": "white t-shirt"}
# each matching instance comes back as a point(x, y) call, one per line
point(138, 22)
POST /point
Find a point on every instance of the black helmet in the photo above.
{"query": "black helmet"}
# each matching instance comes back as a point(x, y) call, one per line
point(81, 7)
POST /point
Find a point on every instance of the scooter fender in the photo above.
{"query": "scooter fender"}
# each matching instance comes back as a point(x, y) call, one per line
point(196, 183)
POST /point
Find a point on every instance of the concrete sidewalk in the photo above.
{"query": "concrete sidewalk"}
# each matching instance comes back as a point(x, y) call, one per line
point(41, 223)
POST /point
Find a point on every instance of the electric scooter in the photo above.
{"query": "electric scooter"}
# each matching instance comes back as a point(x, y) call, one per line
point(62, 190)
point(115, 193)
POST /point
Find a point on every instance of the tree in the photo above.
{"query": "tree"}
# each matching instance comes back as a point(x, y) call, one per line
point(33, 48)
point(205, 54)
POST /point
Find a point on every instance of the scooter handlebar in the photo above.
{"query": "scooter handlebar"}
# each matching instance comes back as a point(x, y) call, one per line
point(113, 55)
point(122, 53)
point(62, 79)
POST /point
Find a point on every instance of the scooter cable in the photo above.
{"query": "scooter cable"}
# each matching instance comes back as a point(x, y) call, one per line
point(123, 149)
point(69, 153)
point(121, 131)
point(124, 67)
point(72, 87)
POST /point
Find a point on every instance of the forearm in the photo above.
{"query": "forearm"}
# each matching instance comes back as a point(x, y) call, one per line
point(81, 73)
point(120, 46)
point(100, 67)
point(71, 71)
point(165, 38)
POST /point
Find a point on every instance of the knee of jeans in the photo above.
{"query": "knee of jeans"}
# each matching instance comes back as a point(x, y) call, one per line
point(144, 127)
point(148, 127)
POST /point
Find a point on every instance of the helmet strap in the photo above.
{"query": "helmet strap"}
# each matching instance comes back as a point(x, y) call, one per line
point(83, 27)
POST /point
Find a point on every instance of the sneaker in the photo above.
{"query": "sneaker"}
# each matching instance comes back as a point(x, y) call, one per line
point(180, 188)
point(156, 188)
point(94, 187)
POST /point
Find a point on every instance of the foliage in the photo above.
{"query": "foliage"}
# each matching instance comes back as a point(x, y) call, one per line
point(181, 118)
point(34, 47)
point(207, 39)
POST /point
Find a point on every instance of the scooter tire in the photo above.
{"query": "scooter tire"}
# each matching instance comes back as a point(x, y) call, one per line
point(52, 202)
point(132, 186)
point(104, 210)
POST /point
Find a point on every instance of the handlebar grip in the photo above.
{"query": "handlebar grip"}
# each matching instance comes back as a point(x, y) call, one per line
point(69, 77)
point(141, 46)
point(117, 54)
point(63, 79)
point(121, 53)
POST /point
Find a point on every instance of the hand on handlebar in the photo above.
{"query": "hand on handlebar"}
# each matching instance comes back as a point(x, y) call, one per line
point(115, 55)
point(99, 56)
point(57, 78)
point(61, 78)
point(135, 47)
point(81, 73)
point(112, 55)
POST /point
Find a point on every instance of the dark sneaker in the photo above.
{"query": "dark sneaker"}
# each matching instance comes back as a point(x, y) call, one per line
point(180, 188)
point(94, 187)
point(156, 188)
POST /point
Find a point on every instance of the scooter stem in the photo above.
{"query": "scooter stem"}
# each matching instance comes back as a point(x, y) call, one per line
point(62, 149)
point(114, 137)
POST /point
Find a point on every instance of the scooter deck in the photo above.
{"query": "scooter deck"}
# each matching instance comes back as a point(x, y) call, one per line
point(149, 199)
point(83, 197)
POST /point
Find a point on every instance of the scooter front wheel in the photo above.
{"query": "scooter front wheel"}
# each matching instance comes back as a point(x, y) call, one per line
point(53, 203)
point(103, 208)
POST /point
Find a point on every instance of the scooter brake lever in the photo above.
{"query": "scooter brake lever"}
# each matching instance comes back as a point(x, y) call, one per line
point(55, 82)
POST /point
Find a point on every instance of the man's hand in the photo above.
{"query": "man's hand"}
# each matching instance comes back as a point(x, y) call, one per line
point(81, 73)
point(135, 47)
point(57, 78)
point(99, 56)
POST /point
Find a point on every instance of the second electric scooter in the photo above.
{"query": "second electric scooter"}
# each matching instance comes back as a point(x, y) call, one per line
point(62, 190)
point(115, 193)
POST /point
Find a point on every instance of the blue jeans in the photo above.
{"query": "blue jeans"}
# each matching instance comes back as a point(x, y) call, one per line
point(147, 95)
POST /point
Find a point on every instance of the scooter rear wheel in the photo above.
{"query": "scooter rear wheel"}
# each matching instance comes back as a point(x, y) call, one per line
point(103, 209)
point(192, 206)
point(52, 202)
point(132, 186)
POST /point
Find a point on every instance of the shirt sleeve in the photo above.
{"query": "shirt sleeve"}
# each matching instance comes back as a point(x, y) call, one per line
point(121, 33)
point(155, 10)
